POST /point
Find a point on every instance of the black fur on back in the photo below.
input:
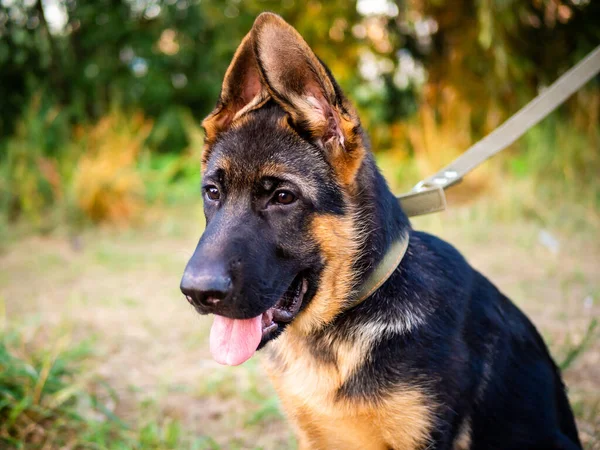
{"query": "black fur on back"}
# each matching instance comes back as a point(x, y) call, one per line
point(477, 354)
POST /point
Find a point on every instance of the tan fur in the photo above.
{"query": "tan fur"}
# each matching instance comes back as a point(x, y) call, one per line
point(255, 103)
point(293, 75)
point(281, 171)
point(288, 63)
point(307, 389)
point(224, 163)
point(339, 244)
point(290, 73)
point(241, 92)
point(347, 161)
point(463, 440)
point(212, 125)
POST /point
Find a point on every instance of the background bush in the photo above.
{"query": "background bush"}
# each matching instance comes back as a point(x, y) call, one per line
point(100, 100)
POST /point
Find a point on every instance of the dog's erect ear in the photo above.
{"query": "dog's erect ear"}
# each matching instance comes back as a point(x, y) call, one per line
point(302, 85)
point(242, 90)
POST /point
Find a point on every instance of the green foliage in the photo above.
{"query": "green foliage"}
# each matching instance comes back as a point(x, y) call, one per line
point(39, 393)
point(495, 53)
point(45, 402)
point(576, 351)
point(146, 55)
point(52, 175)
point(33, 162)
point(560, 159)
point(428, 78)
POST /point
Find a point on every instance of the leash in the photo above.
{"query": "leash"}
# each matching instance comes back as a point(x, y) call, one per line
point(428, 196)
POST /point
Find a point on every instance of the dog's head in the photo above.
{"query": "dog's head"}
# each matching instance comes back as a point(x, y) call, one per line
point(283, 152)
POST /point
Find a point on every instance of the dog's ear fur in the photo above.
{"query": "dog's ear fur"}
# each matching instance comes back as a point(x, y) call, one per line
point(242, 90)
point(302, 85)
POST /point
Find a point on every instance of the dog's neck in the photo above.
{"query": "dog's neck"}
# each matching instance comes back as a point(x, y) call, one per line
point(383, 214)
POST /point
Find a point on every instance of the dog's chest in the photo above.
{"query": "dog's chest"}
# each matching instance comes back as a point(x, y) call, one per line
point(300, 378)
point(308, 387)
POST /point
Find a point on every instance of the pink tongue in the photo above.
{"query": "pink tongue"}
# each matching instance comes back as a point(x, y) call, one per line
point(233, 341)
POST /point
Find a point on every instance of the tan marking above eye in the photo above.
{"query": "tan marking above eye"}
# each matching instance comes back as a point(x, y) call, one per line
point(267, 184)
point(282, 172)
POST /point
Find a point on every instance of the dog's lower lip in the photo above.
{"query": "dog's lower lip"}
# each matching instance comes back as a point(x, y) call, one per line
point(282, 316)
point(272, 327)
point(283, 313)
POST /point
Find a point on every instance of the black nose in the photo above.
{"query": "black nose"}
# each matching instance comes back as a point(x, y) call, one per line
point(205, 287)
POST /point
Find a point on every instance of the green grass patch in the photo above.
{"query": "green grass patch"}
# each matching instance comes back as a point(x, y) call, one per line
point(48, 399)
point(575, 351)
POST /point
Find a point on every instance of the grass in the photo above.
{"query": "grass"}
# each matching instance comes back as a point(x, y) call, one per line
point(49, 398)
point(131, 358)
point(576, 350)
point(103, 353)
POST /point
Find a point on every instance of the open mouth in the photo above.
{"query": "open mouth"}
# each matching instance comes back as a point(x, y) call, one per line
point(233, 341)
point(286, 307)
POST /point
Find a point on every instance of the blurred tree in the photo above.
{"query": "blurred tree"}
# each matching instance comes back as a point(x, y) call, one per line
point(155, 55)
point(495, 54)
point(428, 78)
point(163, 55)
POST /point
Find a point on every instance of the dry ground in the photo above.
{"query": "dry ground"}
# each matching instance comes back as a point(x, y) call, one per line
point(120, 288)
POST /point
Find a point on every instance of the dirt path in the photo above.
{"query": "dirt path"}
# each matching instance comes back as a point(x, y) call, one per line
point(121, 289)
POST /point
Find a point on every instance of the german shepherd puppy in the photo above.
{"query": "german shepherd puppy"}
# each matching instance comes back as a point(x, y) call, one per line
point(298, 220)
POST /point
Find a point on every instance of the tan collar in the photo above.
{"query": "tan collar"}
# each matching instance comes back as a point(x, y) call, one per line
point(383, 271)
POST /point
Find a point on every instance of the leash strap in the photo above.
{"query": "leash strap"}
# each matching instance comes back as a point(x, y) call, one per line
point(428, 195)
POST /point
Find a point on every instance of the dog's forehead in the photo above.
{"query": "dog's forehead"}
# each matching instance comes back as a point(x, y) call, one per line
point(263, 145)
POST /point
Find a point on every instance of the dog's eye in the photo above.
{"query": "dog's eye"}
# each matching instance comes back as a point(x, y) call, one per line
point(212, 192)
point(284, 197)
